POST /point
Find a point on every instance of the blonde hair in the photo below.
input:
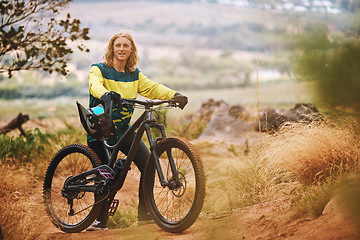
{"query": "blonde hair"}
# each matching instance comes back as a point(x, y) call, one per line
point(109, 54)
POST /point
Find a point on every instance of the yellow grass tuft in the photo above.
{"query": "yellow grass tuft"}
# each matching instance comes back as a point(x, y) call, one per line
point(15, 194)
point(313, 152)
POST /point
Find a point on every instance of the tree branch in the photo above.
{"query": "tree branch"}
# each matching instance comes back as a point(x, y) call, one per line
point(32, 44)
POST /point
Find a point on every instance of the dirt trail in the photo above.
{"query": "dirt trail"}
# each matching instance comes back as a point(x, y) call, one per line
point(263, 221)
point(269, 220)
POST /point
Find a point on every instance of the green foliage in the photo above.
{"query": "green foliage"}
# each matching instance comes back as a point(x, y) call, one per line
point(311, 200)
point(349, 195)
point(232, 149)
point(32, 38)
point(39, 91)
point(333, 61)
point(124, 217)
point(186, 128)
point(69, 135)
point(37, 145)
point(17, 150)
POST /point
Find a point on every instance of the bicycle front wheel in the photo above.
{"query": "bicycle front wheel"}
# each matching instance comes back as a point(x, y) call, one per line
point(70, 211)
point(175, 209)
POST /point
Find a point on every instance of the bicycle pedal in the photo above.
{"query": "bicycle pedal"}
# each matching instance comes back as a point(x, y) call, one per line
point(105, 174)
point(113, 207)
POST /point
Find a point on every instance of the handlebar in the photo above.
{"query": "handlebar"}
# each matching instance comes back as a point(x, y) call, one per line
point(128, 102)
point(149, 103)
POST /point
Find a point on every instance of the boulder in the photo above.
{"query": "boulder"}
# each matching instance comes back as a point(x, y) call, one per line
point(271, 119)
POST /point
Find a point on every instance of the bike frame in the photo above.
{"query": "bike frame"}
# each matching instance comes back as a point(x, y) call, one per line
point(143, 124)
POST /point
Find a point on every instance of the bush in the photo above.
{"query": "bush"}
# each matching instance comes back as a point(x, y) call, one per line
point(333, 62)
point(124, 217)
point(23, 149)
point(311, 200)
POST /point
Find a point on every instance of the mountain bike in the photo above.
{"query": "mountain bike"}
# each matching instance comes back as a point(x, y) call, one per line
point(76, 185)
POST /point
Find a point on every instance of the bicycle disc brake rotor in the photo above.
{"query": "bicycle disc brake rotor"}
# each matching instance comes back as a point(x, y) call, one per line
point(180, 190)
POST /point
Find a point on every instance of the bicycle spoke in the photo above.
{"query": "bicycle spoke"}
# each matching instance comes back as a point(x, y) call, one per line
point(60, 201)
point(175, 204)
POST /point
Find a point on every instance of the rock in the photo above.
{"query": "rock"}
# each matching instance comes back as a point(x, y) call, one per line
point(219, 120)
point(227, 125)
point(271, 119)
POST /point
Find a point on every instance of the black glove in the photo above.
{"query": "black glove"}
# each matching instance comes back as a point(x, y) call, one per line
point(106, 98)
point(111, 96)
point(181, 100)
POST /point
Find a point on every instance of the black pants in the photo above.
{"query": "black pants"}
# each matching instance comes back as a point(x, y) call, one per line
point(140, 158)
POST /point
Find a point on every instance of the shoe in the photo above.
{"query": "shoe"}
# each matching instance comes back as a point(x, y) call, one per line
point(96, 226)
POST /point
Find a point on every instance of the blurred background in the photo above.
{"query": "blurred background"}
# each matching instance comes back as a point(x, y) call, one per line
point(218, 49)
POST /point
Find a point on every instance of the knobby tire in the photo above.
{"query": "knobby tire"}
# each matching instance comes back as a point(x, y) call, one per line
point(70, 161)
point(175, 210)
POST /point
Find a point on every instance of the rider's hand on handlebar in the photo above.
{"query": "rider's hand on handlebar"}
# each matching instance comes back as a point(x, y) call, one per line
point(106, 99)
point(111, 96)
point(181, 100)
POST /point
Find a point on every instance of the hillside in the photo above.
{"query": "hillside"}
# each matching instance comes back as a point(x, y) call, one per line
point(184, 45)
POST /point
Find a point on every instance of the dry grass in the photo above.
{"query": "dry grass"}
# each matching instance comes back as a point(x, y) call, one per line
point(309, 162)
point(241, 179)
point(304, 162)
point(313, 152)
point(257, 181)
point(21, 213)
point(15, 193)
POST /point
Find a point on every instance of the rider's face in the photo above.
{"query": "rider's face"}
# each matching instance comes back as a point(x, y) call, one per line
point(122, 49)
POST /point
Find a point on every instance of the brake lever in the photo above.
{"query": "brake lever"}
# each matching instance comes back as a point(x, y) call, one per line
point(172, 103)
point(125, 103)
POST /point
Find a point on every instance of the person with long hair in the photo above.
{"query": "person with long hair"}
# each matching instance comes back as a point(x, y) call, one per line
point(119, 75)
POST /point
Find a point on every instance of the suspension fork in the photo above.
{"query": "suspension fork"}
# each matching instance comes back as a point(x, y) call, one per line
point(153, 144)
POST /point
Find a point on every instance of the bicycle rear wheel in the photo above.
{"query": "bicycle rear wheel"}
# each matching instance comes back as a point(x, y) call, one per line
point(70, 161)
point(175, 208)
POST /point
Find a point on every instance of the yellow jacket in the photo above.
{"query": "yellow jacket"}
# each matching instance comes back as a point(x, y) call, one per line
point(103, 79)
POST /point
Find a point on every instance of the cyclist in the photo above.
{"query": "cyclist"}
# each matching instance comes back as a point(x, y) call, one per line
point(118, 76)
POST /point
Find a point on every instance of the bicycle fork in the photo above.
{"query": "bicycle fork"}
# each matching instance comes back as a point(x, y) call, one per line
point(174, 182)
